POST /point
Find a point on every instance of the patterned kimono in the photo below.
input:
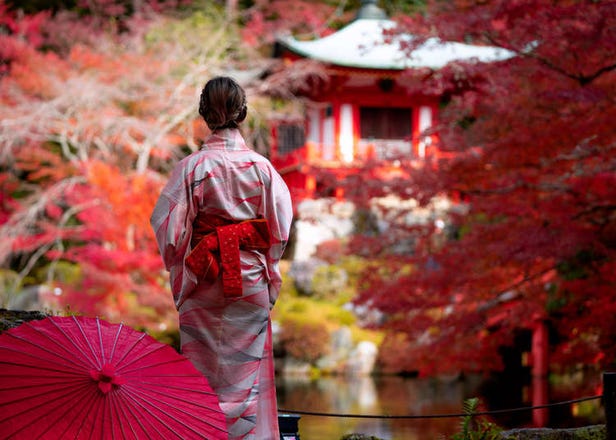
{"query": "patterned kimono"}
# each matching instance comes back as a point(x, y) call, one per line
point(228, 338)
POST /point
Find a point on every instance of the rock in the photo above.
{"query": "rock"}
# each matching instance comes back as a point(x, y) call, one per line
point(359, 437)
point(362, 359)
point(295, 367)
point(14, 318)
point(319, 221)
point(342, 341)
point(302, 272)
point(341, 344)
point(328, 281)
point(595, 432)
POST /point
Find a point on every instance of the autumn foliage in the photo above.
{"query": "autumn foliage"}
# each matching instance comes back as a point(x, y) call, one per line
point(528, 158)
point(306, 341)
point(98, 99)
point(97, 103)
point(89, 131)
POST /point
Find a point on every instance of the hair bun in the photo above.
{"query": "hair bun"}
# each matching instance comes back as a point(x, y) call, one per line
point(222, 103)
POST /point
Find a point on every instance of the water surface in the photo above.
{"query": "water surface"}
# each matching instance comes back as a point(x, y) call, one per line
point(393, 395)
point(374, 396)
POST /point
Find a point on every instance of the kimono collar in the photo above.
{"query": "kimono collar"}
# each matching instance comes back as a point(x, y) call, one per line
point(225, 139)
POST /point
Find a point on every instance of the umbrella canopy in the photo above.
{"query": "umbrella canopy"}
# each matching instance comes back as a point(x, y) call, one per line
point(85, 378)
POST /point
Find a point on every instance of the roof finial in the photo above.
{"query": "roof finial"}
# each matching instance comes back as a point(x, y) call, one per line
point(370, 10)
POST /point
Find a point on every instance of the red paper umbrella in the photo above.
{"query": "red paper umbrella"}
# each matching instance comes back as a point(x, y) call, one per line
point(84, 378)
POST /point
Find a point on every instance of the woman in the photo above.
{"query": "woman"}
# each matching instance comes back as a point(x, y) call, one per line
point(222, 223)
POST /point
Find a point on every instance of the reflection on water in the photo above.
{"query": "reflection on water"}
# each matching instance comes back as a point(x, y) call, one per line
point(392, 395)
point(380, 396)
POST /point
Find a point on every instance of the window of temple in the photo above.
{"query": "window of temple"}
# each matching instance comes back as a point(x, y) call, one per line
point(386, 131)
point(290, 137)
point(385, 123)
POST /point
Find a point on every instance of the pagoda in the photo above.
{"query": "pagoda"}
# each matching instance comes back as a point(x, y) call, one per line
point(369, 105)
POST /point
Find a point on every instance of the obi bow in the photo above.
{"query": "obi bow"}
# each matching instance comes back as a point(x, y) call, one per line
point(227, 240)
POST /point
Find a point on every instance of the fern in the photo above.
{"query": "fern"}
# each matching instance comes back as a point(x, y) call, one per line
point(470, 408)
point(473, 428)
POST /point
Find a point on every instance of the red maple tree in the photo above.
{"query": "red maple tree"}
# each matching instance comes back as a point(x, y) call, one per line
point(528, 158)
point(97, 101)
point(77, 189)
point(89, 131)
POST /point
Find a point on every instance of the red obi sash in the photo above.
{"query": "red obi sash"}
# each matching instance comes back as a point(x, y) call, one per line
point(218, 236)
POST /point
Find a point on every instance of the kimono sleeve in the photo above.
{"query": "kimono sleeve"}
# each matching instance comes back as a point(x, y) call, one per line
point(279, 214)
point(169, 220)
point(172, 220)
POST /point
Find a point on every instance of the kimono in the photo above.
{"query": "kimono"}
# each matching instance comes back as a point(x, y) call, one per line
point(227, 337)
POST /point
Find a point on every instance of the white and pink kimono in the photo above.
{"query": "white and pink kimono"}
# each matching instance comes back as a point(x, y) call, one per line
point(224, 314)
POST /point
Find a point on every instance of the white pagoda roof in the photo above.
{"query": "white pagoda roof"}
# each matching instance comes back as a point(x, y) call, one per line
point(362, 44)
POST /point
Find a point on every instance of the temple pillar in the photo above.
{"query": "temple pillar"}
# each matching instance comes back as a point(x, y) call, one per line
point(540, 370)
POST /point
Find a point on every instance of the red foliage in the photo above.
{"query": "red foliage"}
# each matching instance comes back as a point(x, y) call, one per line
point(532, 152)
point(267, 19)
point(7, 203)
point(18, 34)
point(114, 247)
point(76, 189)
point(330, 251)
point(25, 27)
point(306, 341)
point(98, 220)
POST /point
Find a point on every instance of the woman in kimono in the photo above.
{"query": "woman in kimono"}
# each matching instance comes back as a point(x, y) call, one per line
point(222, 223)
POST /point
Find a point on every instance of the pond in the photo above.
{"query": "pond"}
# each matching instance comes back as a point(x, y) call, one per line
point(393, 395)
point(389, 395)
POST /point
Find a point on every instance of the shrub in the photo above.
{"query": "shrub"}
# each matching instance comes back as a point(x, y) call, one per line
point(306, 341)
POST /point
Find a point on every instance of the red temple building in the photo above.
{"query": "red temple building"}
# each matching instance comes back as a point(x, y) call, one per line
point(368, 106)
point(371, 106)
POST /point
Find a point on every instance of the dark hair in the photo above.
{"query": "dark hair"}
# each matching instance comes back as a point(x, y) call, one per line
point(222, 103)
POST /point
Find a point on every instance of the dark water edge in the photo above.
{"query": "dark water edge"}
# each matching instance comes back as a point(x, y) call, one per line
point(394, 395)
